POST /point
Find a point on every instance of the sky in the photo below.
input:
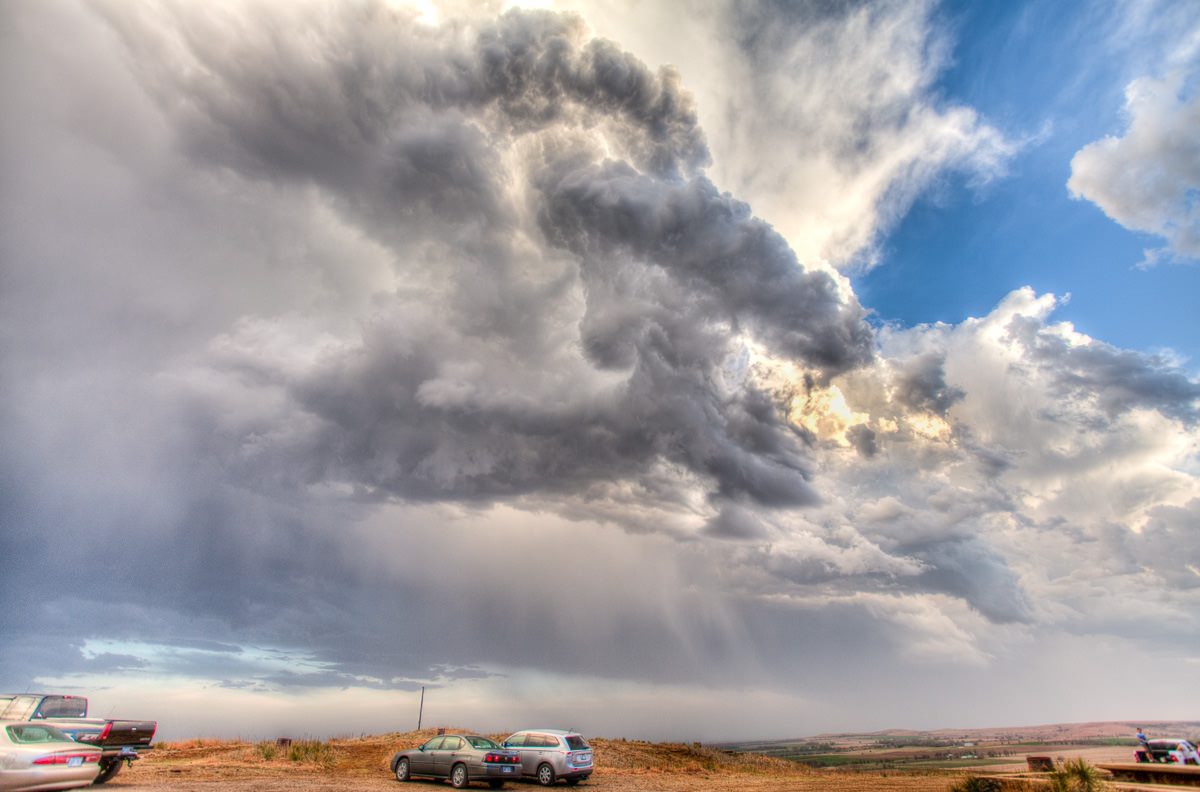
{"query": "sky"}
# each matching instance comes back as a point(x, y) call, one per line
point(677, 371)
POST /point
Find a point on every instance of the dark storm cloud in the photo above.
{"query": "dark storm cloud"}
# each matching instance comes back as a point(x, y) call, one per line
point(363, 97)
point(398, 123)
point(555, 302)
point(733, 267)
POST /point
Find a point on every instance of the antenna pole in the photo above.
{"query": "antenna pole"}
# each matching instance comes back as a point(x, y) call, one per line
point(421, 711)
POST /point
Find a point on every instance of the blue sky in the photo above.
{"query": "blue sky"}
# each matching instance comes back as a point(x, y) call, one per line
point(690, 371)
point(1053, 73)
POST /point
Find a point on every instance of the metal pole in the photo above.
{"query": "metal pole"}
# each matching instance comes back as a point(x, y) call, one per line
point(421, 712)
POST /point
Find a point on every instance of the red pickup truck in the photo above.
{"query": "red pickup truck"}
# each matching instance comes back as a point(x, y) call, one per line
point(118, 740)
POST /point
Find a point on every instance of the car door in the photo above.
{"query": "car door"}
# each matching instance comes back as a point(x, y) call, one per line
point(554, 752)
point(445, 756)
point(534, 753)
point(421, 761)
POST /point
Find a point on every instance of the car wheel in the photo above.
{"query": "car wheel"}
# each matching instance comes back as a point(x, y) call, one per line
point(402, 770)
point(458, 777)
point(107, 771)
point(545, 775)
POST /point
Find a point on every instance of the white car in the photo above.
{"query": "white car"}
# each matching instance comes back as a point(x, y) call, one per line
point(38, 756)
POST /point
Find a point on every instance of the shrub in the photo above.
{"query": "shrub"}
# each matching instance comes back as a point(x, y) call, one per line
point(974, 783)
point(313, 751)
point(1076, 775)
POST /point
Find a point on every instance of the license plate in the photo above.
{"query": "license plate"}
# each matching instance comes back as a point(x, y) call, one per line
point(507, 769)
point(74, 761)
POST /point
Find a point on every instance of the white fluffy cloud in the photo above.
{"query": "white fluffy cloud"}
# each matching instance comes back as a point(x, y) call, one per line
point(1148, 178)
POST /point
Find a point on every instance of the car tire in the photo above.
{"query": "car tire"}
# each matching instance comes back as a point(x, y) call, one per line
point(107, 771)
point(545, 775)
point(402, 770)
point(459, 778)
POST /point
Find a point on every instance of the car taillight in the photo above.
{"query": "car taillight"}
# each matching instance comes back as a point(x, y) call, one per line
point(497, 758)
point(65, 758)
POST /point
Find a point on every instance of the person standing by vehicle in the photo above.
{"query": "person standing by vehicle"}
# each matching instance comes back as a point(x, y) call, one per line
point(1145, 754)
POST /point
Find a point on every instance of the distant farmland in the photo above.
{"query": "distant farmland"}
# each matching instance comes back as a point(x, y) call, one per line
point(953, 749)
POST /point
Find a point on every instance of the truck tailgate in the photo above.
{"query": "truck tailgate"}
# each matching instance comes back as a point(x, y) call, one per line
point(108, 734)
point(132, 733)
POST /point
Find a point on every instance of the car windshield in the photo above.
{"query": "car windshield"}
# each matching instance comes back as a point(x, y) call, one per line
point(36, 733)
point(482, 742)
point(576, 743)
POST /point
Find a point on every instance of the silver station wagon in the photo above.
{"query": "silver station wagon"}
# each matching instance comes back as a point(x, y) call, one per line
point(551, 755)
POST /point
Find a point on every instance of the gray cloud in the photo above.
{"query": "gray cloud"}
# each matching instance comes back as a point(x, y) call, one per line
point(1119, 380)
point(466, 165)
point(973, 571)
point(921, 384)
point(276, 113)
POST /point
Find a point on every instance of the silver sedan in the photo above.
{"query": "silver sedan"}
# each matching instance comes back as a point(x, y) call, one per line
point(461, 758)
point(38, 756)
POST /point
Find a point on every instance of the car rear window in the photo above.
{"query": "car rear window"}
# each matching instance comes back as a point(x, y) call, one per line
point(576, 743)
point(36, 733)
point(482, 742)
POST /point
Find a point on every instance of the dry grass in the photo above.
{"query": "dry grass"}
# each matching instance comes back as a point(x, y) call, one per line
point(375, 751)
point(645, 757)
point(638, 762)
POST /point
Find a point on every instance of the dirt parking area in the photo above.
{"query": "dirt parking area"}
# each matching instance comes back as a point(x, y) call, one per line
point(361, 765)
point(149, 779)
